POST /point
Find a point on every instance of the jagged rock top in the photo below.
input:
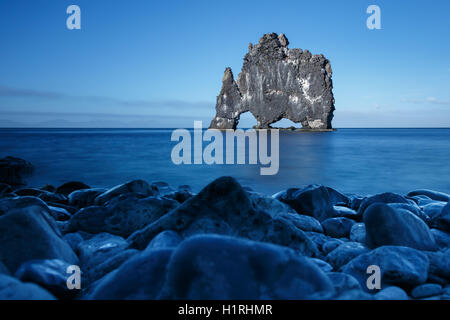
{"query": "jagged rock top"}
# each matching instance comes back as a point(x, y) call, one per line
point(276, 82)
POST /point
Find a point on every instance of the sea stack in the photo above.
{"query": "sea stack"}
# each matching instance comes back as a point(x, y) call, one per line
point(275, 83)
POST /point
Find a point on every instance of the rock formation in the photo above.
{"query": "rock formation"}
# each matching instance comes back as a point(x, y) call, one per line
point(276, 82)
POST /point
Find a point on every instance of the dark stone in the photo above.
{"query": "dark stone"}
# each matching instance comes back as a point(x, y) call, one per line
point(358, 233)
point(85, 197)
point(219, 267)
point(435, 195)
point(166, 239)
point(69, 187)
point(344, 253)
point(441, 238)
point(59, 214)
point(314, 200)
point(426, 290)
point(139, 278)
point(13, 289)
point(330, 245)
point(388, 226)
point(442, 220)
point(136, 186)
point(337, 198)
point(28, 232)
point(13, 171)
point(49, 274)
point(387, 197)
point(337, 227)
point(276, 82)
point(414, 209)
point(110, 264)
point(343, 282)
point(121, 217)
point(392, 293)
point(345, 212)
point(223, 207)
point(401, 266)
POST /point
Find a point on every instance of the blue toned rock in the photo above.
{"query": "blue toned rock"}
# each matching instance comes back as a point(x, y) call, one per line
point(220, 267)
point(85, 197)
point(387, 197)
point(305, 223)
point(345, 212)
point(13, 171)
point(392, 293)
point(337, 198)
point(323, 265)
point(28, 232)
point(401, 266)
point(441, 238)
point(139, 278)
point(13, 289)
point(358, 233)
point(121, 217)
point(223, 207)
point(330, 245)
point(49, 274)
point(439, 270)
point(414, 209)
point(166, 239)
point(442, 220)
point(343, 282)
point(136, 186)
point(109, 265)
point(4, 269)
point(435, 195)
point(344, 253)
point(337, 227)
point(399, 227)
point(426, 290)
point(434, 209)
point(71, 186)
point(59, 214)
point(314, 200)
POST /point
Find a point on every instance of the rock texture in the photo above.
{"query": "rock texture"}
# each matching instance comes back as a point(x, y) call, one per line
point(276, 82)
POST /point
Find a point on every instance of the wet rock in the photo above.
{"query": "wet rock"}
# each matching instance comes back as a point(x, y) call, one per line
point(5, 189)
point(439, 270)
point(441, 238)
point(13, 171)
point(4, 269)
point(401, 266)
point(224, 207)
point(110, 264)
point(73, 239)
point(337, 227)
point(386, 226)
point(414, 209)
point(345, 212)
point(85, 197)
point(59, 214)
point(13, 289)
point(426, 290)
point(220, 267)
point(392, 293)
point(166, 239)
point(313, 200)
point(69, 187)
point(323, 265)
point(99, 248)
point(140, 278)
point(122, 217)
point(435, 195)
point(305, 223)
point(31, 217)
point(386, 198)
point(337, 198)
point(344, 253)
point(442, 220)
point(358, 233)
point(276, 82)
point(49, 188)
point(343, 282)
point(433, 209)
point(180, 195)
point(135, 186)
point(49, 274)
point(330, 245)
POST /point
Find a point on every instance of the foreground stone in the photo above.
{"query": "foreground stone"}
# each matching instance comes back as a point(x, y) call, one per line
point(13, 289)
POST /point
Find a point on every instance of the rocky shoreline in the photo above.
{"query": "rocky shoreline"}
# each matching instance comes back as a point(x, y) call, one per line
point(141, 240)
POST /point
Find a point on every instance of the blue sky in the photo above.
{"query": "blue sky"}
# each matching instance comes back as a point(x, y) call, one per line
point(160, 63)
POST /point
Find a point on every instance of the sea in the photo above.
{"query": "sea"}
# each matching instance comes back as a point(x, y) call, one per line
point(352, 161)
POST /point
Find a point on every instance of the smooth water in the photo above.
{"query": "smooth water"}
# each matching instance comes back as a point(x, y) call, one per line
point(360, 161)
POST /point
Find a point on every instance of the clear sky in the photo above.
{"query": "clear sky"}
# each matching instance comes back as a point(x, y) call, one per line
point(148, 63)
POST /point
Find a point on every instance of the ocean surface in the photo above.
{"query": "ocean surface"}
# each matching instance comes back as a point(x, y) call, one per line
point(359, 161)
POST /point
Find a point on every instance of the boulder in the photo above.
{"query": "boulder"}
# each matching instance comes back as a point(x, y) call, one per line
point(31, 217)
point(340, 211)
point(5, 189)
point(388, 226)
point(330, 245)
point(13, 289)
point(426, 290)
point(435, 195)
point(441, 238)
point(13, 171)
point(391, 293)
point(386, 198)
point(323, 265)
point(343, 282)
point(414, 209)
point(344, 253)
point(221, 267)
point(439, 270)
point(135, 186)
point(314, 200)
point(358, 233)
point(337, 227)
point(49, 274)
point(122, 217)
point(223, 207)
point(109, 265)
point(139, 278)
point(69, 187)
point(59, 214)
point(165, 239)
point(85, 197)
point(401, 266)
point(337, 198)
point(4, 269)
point(442, 220)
